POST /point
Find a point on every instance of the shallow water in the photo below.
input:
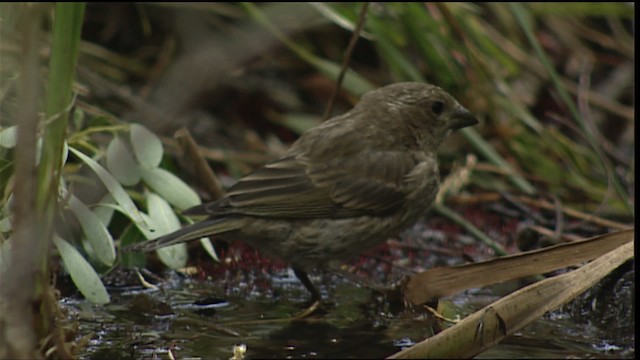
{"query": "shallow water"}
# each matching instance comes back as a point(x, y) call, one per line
point(202, 319)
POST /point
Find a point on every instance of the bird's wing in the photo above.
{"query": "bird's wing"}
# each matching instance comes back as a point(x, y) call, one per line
point(368, 183)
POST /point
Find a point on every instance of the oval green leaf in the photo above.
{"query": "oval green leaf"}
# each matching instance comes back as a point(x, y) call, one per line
point(116, 190)
point(94, 231)
point(8, 137)
point(132, 259)
point(208, 246)
point(121, 163)
point(166, 221)
point(147, 147)
point(104, 209)
point(171, 188)
point(81, 272)
point(5, 224)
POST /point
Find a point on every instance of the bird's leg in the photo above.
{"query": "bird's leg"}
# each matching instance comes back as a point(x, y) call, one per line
point(316, 298)
point(304, 279)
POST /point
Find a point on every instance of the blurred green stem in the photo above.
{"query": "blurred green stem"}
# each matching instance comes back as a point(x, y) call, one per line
point(488, 152)
point(64, 50)
point(455, 217)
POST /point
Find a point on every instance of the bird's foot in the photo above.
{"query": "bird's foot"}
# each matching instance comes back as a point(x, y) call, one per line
point(315, 306)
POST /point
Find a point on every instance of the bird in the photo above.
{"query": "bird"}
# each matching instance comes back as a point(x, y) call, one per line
point(342, 187)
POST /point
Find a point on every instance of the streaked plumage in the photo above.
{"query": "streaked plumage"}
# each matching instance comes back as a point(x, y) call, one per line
point(343, 186)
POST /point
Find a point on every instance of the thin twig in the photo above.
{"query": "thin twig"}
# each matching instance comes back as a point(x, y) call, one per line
point(206, 176)
point(488, 197)
point(551, 234)
point(557, 234)
point(524, 208)
point(347, 57)
point(458, 219)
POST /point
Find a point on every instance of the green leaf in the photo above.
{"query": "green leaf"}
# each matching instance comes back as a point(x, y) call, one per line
point(5, 224)
point(78, 118)
point(65, 154)
point(94, 231)
point(338, 18)
point(149, 231)
point(297, 122)
point(121, 163)
point(132, 259)
point(206, 244)
point(116, 190)
point(38, 150)
point(146, 146)
point(166, 221)
point(82, 274)
point(352, 82)
point(104, 209)
point(8, 137)
point(492, 155)
point(170, 187)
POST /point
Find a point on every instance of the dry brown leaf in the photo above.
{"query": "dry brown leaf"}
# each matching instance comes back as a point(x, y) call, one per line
point(438, 282)
point(491, 324)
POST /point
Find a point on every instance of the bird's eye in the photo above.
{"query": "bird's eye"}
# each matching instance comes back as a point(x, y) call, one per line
point(437, 107)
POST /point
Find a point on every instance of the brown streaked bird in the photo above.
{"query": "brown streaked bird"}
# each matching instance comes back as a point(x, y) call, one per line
point(343, 187)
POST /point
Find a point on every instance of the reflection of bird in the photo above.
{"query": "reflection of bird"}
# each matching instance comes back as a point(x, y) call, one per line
point(343, 186)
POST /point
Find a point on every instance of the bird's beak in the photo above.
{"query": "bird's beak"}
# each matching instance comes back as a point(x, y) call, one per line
point(461, 118)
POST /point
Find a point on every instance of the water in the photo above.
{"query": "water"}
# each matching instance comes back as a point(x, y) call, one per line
point(206, 319)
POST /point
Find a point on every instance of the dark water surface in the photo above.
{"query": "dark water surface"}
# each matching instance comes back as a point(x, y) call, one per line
point(202, 319)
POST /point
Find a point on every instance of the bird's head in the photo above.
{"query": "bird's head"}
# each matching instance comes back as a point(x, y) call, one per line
point(427, 110)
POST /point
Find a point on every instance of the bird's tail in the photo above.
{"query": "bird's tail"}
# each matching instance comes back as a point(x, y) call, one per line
point(198, 230)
